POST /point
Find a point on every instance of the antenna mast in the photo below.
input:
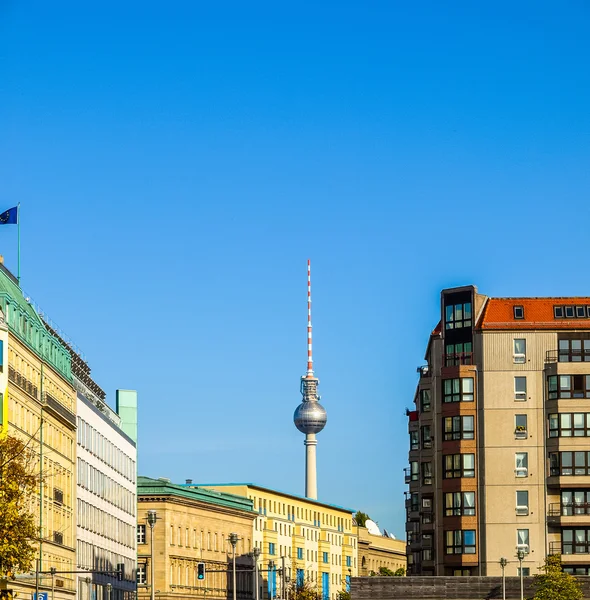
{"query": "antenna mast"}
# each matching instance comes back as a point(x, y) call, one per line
point(309, 350)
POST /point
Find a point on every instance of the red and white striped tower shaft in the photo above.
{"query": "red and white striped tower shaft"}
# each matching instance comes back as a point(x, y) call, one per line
point(309, 348)
point(310, 417)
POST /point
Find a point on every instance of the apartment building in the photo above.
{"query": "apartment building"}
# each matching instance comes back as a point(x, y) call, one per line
point(499, 460)
point(316, 542)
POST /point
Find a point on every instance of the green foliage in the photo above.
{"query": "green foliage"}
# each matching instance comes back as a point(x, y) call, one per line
point(361, 518)
point(554, 584)
point(401, 572)
point(306, 591)
point(343, 595)
point(18, 526)
point(385, 572)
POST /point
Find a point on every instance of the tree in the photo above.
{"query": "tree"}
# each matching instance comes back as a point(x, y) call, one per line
point(385, 572)
point(303, 590)
point(361, 518)
point(18, 484)
point(554, 584)
point(401, 572)
point(343, 595)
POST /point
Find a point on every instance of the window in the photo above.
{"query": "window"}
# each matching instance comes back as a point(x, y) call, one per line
point(568, 386)
point(349, 561)
point(426, 473)
point(575, 502)
point(519, 351)
point(458, 354)
point(458, 428)
point(522, 464)
point(427, 554)
point(459, 465)
point(569, 463)
point(414, 440)
point(520, 388)
point(300, 578)
point(569, 312)
point(575, 541)
point(574, 350)
point(425, 400)
point(519, 312)
point(522, 539)
point(300, 553)
point(325, 557)
point(460, 541)
point(414, 471)
point(520, 426)
point(141, 534)
point(522, 502)
point(526, 571)
point(580, 312)
point(426, 439)
point(414, 501)
point(569, 425)
point(140, 574)
point(458, 316)
point(558, 312)
point(459, 503)
point(458, 390)
point(271, 548)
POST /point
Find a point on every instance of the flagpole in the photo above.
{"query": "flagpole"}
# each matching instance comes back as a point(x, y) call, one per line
point(18, 237)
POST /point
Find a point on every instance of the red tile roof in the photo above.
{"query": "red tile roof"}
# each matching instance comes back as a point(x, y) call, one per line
point(498, 313)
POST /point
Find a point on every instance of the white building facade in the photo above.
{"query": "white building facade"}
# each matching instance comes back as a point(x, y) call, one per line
point(106, 503)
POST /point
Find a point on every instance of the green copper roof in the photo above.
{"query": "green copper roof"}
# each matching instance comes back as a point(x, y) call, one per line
point(147, 486)
point(24, 322)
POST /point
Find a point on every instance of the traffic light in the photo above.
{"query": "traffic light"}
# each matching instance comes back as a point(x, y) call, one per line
point(121, 571)
point(200, 570)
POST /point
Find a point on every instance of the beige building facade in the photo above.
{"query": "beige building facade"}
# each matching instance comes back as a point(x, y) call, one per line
point(499, 461)
point(379, 551)
point(192, 527)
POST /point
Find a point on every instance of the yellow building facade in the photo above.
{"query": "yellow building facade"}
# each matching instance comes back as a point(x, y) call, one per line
point(39, 407)
point(314, 541)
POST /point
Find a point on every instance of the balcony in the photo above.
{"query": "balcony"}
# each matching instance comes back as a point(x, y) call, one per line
point(457, 359)
point(570, 513)
point(568, 356)
point(424, 371)
point(22, 382)
point(520, 434)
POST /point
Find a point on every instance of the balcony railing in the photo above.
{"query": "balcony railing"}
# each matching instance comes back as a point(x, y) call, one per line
point(407, 475)
point(28, 386)
point(555, 548)
point(568, 509)
point(520, 434)
point(553, 356)
point(424, 371)
point(458, 358)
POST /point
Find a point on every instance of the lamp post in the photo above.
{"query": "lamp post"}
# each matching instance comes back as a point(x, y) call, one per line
point(503, 563)
point(109, 590)
point(255, 555)
point(233, 540)
point(151, 519)
point(520, 556)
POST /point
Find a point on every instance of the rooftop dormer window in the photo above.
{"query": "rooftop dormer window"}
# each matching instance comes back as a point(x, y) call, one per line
point(558, 312)
point(519, 312)
point(569, 312)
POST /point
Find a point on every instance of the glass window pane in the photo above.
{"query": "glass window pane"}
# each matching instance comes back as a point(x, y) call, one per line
point(467, 385)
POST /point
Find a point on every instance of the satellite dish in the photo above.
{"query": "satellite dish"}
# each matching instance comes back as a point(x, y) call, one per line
point(372, 527)
point(392, 536)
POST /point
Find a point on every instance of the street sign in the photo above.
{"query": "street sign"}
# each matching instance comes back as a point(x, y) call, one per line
point(40, 596)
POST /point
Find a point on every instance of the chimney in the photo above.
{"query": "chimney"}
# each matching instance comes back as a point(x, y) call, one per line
point(189, 481)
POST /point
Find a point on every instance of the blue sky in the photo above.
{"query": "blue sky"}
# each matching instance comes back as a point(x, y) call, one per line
point(178, 164)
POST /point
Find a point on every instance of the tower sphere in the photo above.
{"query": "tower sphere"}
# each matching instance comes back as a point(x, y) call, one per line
point(310, 417)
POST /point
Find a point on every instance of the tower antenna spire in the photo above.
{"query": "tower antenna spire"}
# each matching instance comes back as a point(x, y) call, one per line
point(309, 346)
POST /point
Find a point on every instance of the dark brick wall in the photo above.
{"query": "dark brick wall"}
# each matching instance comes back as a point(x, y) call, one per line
point(444, 588)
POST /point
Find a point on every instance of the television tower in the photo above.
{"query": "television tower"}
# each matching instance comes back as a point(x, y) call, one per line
point(310, 416)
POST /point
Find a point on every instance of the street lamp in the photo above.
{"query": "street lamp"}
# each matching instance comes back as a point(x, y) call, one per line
point(109, 590)
point(255, 555)
point(151, 519)
point(503, 563)
point(233, 540)
point(520, 556)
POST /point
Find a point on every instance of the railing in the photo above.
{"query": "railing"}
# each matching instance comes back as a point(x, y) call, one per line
point(59, 408)
point(22, 382)
point(568, 509)
point(407, 475)
point(553, 356)
point(520, 434)
point(458, 358)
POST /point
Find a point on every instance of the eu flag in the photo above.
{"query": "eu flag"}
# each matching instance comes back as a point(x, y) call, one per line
point(9, 217)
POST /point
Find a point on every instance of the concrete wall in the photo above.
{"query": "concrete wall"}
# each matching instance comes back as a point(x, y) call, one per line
point(444, 588)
